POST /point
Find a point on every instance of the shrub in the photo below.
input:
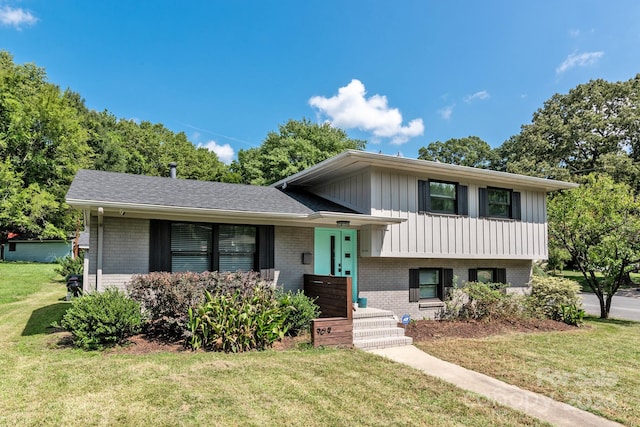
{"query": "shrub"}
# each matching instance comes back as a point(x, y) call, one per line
point(104, 319)
point(167, 297)
point(482, 301)
point(236, 322)
point(572, 315)
point(299, 310)
point(550, 294)
point(68, 265)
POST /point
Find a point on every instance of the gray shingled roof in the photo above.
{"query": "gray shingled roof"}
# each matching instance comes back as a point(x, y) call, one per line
point(98, 186)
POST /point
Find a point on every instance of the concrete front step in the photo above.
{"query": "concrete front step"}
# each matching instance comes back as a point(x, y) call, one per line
point(377, 343)
point(377, 333)
point(375, 329)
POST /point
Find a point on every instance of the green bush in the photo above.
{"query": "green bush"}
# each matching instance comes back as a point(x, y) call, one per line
point(299, 309)
point(572, 315)
point(167, 297)
point(237, 322)
point(103, 319)
point(68, 265)
point(482, 301)
point(550, 294)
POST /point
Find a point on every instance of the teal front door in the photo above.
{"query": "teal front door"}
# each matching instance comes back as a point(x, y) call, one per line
point(335, 255)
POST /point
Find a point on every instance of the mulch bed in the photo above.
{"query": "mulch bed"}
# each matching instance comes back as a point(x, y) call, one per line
point(420, 330)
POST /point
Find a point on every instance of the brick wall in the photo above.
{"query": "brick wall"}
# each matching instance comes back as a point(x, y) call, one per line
point(290, 244)
point(385, 281)
point(125, 250)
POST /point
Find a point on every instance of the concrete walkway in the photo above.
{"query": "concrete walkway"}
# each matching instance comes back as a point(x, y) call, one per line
point(530, 403)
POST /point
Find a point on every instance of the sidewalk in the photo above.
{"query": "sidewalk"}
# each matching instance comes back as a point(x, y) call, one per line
point(530, 403)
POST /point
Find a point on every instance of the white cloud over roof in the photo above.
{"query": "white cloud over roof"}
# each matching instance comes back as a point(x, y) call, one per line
point(351, 109)
point(16, 17)
point(224, 152)
point(478, 96)
point(579, 60)
point(446, 112)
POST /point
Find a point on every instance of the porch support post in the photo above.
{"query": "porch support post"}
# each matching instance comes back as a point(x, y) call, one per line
point(99, 254)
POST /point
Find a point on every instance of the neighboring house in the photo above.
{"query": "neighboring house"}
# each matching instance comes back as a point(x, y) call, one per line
point(36, 250)
point(403, 229)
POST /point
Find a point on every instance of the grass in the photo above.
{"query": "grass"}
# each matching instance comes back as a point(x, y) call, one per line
point(44, 383)
point(596, 368)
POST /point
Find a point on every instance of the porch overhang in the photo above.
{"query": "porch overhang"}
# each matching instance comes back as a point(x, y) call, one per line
point(179, 213)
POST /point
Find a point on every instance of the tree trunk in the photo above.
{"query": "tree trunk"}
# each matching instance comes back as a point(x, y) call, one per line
point(604, 310)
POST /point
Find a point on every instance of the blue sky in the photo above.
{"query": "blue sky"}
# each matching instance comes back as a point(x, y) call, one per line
point(400, 74)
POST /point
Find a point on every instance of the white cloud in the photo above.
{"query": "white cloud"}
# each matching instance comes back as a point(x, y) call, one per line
point(446, 112)
point(351, 109)
point(224, 152)
point(579, 60)
point(574, 33)
point(16, 17)
point(482, 95)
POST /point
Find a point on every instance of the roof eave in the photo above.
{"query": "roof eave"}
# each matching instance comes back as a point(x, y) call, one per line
point(423, 167)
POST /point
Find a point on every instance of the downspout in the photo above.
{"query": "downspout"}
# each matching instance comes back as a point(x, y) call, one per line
point(99, 254)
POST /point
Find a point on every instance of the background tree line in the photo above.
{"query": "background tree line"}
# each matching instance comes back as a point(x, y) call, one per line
point(590, 135)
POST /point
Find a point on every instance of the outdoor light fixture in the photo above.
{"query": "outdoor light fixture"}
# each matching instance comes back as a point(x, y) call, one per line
point(343, 224)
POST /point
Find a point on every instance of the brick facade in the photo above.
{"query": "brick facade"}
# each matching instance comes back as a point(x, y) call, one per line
point(385, 281)
point(290, 244)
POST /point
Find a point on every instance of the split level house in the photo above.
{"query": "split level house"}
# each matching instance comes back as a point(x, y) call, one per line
point(403, 229)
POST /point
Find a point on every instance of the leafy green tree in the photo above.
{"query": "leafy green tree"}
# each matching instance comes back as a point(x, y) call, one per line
point(299, 144)
point(598, 225)
point(571, 133)
point(470, 151)
point(42, 145)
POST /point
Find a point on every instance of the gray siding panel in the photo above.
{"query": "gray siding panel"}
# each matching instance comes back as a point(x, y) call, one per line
point(353, 192)
point(453, 236)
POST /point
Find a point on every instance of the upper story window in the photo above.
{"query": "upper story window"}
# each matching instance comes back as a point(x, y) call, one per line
point(442, 197)
point(499, 203)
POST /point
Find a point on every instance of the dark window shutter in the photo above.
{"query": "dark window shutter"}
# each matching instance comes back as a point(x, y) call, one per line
point(424, 201)
point(463, 200)
point(516, 211)
point(501, 275)
point(159, 245)
point(266, 238)
point(483, 202)
point(414, 285)
point(473, 275)
point(447, 282)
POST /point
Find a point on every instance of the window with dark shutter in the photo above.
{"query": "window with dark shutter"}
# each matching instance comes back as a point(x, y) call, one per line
point(442, 197)
point(429, 283)
point(499, 203)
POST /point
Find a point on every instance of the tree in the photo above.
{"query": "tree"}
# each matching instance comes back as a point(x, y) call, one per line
point(571, 133)
point(470, 151)
point(598, 224)
point(297, 146)
point(42, 145)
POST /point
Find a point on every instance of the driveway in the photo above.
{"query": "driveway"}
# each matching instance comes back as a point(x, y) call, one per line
point(622, 307)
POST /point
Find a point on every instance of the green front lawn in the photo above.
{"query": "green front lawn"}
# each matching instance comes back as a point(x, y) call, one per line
point(596, 368)
point(43, 383)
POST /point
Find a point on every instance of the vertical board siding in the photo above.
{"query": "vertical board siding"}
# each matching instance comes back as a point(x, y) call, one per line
point(431, 235)
point(353, 192)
